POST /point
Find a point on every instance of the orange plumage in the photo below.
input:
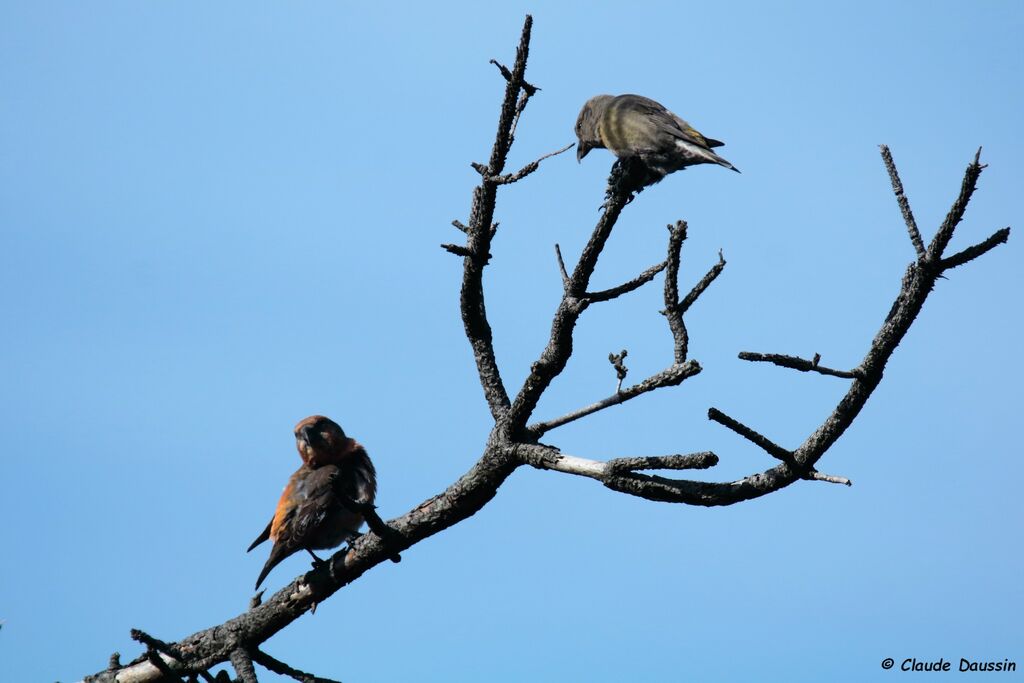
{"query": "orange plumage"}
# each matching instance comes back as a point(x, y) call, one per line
point(312, 514)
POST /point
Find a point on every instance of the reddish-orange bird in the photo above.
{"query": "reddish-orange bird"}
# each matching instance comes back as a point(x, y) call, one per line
point(312, 514)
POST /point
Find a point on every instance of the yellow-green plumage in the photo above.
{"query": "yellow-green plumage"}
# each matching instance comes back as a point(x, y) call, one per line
point(637, 126)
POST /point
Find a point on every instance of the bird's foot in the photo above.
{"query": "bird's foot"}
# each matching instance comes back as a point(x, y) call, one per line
point(356, 535)
point(317, 562)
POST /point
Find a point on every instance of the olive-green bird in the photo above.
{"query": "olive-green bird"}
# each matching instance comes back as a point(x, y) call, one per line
point(637, 126)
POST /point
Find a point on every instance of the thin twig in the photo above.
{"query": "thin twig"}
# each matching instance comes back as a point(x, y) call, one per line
point(830, 478)
point(525, 170)
point(769, 446)
point(626, 287)
point(676, 324)
point(702, 285)
point(550, 458)
point(156, 649)
point(901, 199)
point(457, 249)
point(155, 643)
point(559, 347)
point(973, 252)
point(618, 362)
point(956, 213)
point(157, 660)
point(690, 461)
point(282, 669)
point(797, 363)
point(669, 377)
point(561, 267)
point(531, 90)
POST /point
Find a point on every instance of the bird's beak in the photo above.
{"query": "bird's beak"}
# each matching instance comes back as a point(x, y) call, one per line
point(304, 435)
point(581, 151)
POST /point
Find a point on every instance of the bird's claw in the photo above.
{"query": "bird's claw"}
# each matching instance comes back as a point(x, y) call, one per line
point(317, 562)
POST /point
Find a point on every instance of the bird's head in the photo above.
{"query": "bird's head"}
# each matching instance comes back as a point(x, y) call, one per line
point(587, 125)
point(320, 440)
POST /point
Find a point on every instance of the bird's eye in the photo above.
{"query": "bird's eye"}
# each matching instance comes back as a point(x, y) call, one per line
point(326, 435)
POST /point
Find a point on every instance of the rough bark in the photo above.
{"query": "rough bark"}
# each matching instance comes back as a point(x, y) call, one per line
point(514, 442)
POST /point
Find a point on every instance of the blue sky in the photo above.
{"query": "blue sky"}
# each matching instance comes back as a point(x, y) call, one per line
point(216, 219)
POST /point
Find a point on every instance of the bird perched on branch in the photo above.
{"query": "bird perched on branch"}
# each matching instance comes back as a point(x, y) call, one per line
point(316, 509)
point(636, 127)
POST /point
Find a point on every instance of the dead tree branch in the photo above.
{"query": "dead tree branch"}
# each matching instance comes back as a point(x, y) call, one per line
point(901, 199)
point(280, 668)
point(670, 377)
point(626, 287)
point(801, 364)
point(513, 443)
point(242, 662)
point(674, 307)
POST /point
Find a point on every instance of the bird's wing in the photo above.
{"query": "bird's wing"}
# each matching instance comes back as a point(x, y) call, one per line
point(303, 506)
point(310, 498)
point(666, 121)
point(358, 478)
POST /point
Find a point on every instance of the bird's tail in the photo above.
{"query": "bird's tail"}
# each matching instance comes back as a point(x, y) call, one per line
point(262, 537)
point(277, 553)
point(704, 154)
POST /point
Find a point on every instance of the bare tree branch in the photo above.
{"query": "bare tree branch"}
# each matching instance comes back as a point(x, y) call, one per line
point(674, 307)
point(702, 285)
point(282, 669)
point(973, 252)
point(796, 363)
point(556, 354)
point(561, 267)
point(626, 287)
point(618, 361)
point(672, 312)
point(512, 444)
point(691, 461)
point(669, 377)
point(481, 217)
point(766, 444)
point(242, 662)
point(161, 656)
point(531, 90)
point(510, 178)
point(956, 212)
point(462, 499)
point(459, 250)
point(830, 478)
point(550, 458)
point(918, 282)
point(901, 199)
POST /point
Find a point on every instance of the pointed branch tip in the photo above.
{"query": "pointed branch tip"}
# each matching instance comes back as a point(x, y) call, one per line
point(815, 475)
point(973, 252)
point(457, 250)
point(797, 363)
point(766, 444)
